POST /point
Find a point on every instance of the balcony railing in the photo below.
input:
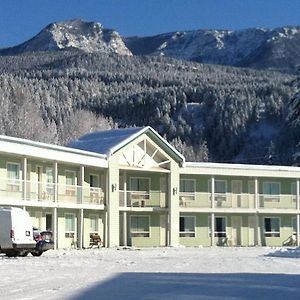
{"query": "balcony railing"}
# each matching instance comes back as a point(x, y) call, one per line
point(142, 199)
point(277, 201)
point(196, 199)
point(45, 192)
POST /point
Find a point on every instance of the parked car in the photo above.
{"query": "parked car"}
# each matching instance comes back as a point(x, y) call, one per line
point(44, 241)
point(16, 237)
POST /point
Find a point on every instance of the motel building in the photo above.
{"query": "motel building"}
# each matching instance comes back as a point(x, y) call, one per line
point(132, 188)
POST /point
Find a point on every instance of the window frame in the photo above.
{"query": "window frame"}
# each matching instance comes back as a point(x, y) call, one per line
point(137, 177)
point(271, 197)
point(97, 223)
point(70, 233)
point(190, 234)
point(272, 234)
point(143, 234)
point(183, 195)
point(218, 234)
point(14, 183)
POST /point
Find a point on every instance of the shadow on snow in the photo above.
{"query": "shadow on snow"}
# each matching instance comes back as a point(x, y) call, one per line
point(190, 286)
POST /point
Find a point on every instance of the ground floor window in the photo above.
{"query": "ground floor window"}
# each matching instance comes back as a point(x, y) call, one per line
point(140, 226)
point(187, 226)
point(294, 225)
point(69, 225)
point(272, 227)
point(93, 223)
point(220, 226)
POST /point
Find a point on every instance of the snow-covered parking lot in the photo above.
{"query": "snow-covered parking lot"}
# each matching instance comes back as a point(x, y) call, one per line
point(156, 273)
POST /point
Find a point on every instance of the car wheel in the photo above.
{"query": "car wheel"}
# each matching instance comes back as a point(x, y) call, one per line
point(37, 253)
point(12, 253)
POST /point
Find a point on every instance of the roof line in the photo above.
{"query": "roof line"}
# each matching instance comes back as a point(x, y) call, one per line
point(141, 131)
point(51, 147)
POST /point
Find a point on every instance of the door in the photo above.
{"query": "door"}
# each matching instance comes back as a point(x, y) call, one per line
point(163, 191)
point(251, 231)
point(163, 230)
point(236, 192)
point(236, 223)
point(39, 173)
point(28, 183)
point(49, 222)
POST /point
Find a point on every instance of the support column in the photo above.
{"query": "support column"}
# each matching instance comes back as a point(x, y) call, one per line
point(298, 194)
point(298, 230)
point(174, 204)
point(113, 202)
point(80, 237)
point(55, 167)
point(125, 228)
point(212, 230)
point(212, 192)
point(257, 231)
point(125, 188)
point(256, 195)
point(55, 221)
point(25, 178)
point(81, 175)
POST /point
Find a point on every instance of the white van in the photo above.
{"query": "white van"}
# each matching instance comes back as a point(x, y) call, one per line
point(16, 235)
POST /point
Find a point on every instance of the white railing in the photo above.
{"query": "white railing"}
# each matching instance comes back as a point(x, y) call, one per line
point(142, 199)
point(49, 192)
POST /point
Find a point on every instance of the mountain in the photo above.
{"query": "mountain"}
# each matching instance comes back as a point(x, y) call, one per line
point(73, 34)
point(277, 49)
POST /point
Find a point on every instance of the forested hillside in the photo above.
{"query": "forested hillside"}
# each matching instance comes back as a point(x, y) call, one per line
point(208, 112)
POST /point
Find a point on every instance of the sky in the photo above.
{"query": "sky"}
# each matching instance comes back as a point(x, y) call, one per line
point(22, 19)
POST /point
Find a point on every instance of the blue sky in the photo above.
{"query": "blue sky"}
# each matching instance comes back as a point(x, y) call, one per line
point(22, 19)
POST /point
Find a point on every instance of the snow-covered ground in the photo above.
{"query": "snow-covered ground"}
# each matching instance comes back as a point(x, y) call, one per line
point(156, 273)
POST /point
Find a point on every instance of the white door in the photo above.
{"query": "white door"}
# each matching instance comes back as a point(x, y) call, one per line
point(236, 192)
point(251, 231)
point(236, 224)
point(163, 231)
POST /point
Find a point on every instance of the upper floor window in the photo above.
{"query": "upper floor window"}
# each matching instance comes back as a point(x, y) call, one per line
point(220, 186)
point(13, 176)
point(94, 180)
point(271, 188)
point(139, 184)
point(187, 185)
point(13, 171)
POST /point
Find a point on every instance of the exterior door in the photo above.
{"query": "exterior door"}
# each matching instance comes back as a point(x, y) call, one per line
point(163, 191)
point(49, 222)
point(236, 223)
point(39, 173)
point(236, 192)
point(251, 231)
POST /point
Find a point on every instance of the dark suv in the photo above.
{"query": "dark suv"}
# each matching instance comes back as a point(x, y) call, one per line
point(44, 241)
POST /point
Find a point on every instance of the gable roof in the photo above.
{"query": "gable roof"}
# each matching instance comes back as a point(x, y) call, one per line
point(110, 141)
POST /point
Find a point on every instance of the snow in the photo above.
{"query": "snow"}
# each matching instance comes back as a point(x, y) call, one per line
point(154, 273)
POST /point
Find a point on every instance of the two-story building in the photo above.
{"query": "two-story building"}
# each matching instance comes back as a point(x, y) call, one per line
point(131, 187)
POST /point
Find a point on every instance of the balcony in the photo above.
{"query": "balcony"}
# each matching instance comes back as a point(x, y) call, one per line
point(221, 200)
point(142, 199)
point(45, 192)
point(277, 201)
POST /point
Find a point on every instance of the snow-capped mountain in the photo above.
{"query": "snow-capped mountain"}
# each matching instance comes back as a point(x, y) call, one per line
point(255, 47)
point(73, 34)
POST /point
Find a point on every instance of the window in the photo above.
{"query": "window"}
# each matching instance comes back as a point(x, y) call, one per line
point(93, 223)
point(271, 188)
point(94, 180)
point(187, 185)
point(220, 226)
point(187, 226)
point(69, 225)
point(13, 176)
point(272, 227)
point(140, 184)
point(220, 186)
point(140, 226)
